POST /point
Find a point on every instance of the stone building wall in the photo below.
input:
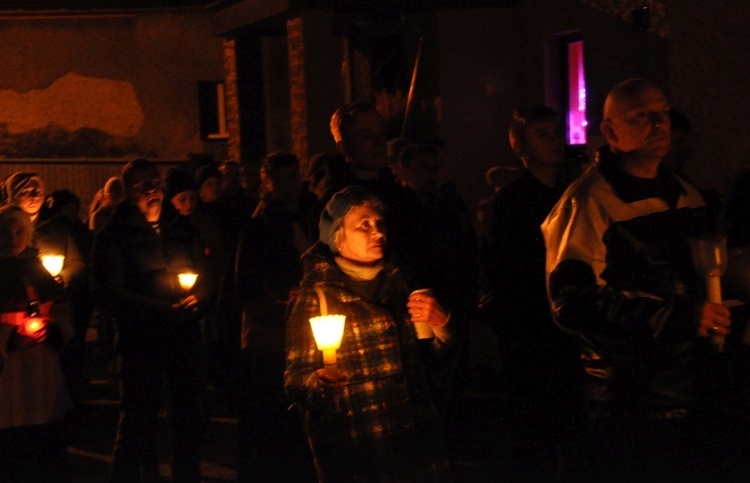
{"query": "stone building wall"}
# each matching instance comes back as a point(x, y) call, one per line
point(107, 87)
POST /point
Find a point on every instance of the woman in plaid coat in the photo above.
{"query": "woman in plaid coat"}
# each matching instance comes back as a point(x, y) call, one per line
point(375, 420)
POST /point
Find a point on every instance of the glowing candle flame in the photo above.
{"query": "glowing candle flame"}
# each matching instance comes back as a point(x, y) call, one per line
point(33, 325)
point(53, 264)
point(187, 280)
point(328, 331)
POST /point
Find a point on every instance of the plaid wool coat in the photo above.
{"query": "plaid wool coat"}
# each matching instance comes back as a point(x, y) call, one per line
point(387, 428)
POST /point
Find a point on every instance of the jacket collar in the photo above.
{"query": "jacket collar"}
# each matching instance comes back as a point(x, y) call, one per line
point(631, 188)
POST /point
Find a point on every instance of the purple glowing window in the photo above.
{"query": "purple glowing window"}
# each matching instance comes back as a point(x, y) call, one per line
point(576, 94)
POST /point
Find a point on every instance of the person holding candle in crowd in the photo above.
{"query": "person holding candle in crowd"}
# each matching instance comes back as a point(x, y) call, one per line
point(33, 395)
point(55, 234)
point(384, 425)
point(620, 277)
point(136, 260)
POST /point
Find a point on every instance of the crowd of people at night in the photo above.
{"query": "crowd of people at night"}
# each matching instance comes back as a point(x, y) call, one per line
point(617, 362)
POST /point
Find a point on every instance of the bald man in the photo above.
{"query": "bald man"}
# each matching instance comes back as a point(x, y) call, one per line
point(620, 277)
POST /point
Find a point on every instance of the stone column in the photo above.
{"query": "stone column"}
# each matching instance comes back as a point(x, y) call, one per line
point(231, 100)
point(315, 86)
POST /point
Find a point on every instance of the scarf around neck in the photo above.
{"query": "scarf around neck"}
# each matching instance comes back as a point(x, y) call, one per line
point(356, 272)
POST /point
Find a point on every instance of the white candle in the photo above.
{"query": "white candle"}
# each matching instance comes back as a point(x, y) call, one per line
point(53, 264)
point(187, 280)
point(328, 331)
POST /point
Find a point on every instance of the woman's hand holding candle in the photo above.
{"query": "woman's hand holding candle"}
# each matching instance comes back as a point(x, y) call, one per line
point(330, 379)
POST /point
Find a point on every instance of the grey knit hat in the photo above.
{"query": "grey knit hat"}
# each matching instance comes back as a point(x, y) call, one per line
point(337, 208)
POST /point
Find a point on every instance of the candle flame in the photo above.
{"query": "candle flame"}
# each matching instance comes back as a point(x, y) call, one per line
point(33, 325)
point(53, 264)
point(328, 331)
point(187, 280)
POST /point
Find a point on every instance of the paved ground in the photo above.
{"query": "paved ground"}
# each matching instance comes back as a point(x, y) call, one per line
point(479, 453)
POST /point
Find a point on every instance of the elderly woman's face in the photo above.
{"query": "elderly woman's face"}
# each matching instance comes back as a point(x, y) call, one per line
point(14, 238)
point(362, 236)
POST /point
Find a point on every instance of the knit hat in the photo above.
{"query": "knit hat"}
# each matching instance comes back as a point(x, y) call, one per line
point(337, 208)
point(176, 182)
point(204, 173)
point(56, 200)
point(18, 181)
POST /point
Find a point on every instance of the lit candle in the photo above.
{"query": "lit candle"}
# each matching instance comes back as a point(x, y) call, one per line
point(187, 280)
point(710, 260)
point(33, 325)
point(328, 330)
point(53, 264)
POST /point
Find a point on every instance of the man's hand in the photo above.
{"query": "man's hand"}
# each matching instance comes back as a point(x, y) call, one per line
point(714, 319)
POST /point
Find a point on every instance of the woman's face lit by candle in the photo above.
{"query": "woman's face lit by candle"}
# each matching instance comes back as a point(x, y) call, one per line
point(362, 235)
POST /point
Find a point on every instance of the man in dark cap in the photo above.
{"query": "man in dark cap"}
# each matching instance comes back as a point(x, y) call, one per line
point(135, 265)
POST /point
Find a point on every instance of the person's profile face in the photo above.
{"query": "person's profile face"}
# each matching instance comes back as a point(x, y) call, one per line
point(184, 202)
point(641, 125)
point(365, 142)
point(231, 177)
point(147, 194)
point(544, 142)
point(284, 183)
point(362, 236)
point(31, 197)
point(210, 190)
point(14, 238)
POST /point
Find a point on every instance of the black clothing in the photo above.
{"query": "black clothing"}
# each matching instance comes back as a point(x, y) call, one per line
point(621, 278)
point(230, 216)
point(541, 363)
point(63, 236)
point(268, 272)
point(134, 273)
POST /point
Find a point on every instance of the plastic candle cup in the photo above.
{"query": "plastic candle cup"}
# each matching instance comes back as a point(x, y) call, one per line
point(187, 280)
point(53, 264)
point(710, 260)
point(33, 325)
point(328, 331)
